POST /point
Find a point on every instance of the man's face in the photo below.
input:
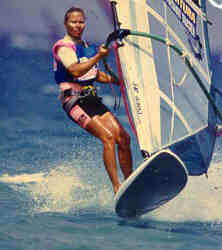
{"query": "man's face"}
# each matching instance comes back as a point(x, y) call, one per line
point(75, 25)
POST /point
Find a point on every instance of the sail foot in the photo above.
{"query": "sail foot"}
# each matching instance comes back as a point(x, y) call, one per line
point(145, 154)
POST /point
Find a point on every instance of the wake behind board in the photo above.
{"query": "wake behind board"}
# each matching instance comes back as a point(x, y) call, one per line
point(158, 180)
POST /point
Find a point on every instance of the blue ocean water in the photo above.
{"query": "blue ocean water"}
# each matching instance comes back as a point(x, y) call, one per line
point(54, 191)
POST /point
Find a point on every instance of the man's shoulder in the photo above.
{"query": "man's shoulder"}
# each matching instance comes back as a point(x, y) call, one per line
point(64, 41)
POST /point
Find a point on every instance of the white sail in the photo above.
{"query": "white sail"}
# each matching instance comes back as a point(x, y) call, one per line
point(169, 107)
point(140, 76)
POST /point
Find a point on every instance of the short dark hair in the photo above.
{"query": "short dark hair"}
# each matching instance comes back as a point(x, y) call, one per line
point(73, 9)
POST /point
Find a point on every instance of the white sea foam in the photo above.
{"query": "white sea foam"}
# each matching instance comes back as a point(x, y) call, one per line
point(23, 178)
point(61, 190)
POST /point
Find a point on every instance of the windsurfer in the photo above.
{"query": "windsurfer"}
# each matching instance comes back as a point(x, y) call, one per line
point(75, 66)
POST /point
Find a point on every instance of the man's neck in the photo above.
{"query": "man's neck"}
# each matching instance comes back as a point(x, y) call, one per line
point(73, 39)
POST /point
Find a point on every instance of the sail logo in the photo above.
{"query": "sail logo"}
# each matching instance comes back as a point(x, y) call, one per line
point(138, 102)
point(185, 14)
point(188, 17)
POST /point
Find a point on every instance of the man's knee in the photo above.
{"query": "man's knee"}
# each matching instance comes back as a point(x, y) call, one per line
point(108, 138)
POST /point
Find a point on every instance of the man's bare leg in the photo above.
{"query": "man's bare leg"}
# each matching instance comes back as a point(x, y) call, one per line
point(125, 160)
point(98, 127)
